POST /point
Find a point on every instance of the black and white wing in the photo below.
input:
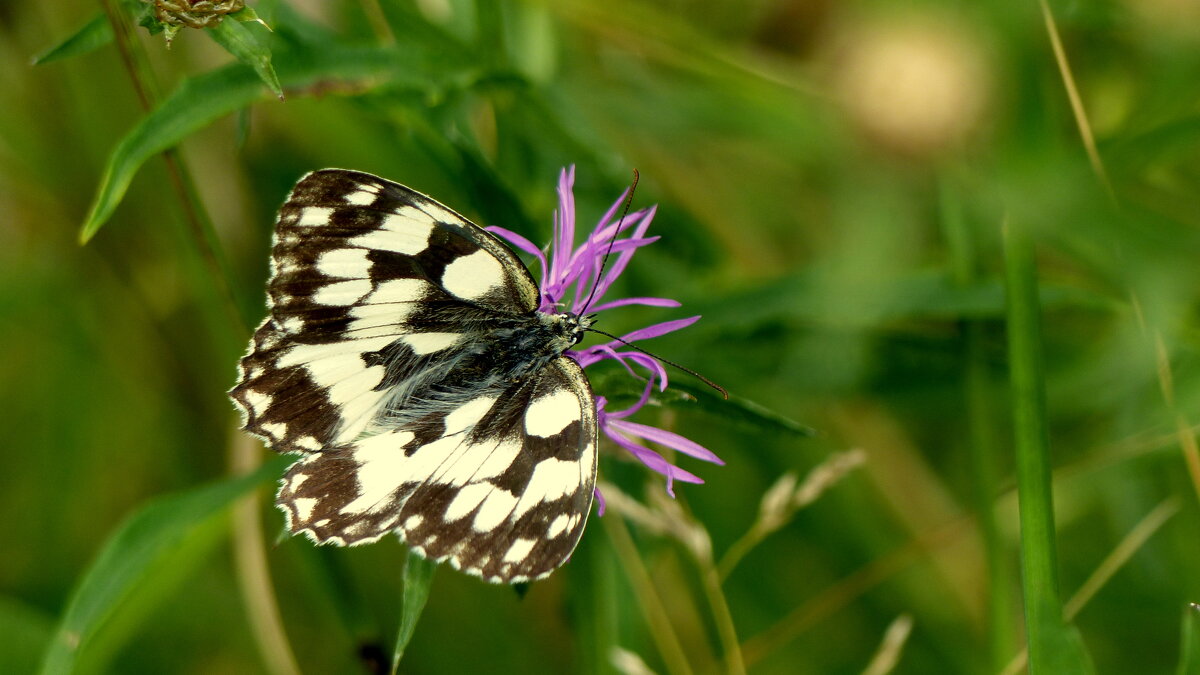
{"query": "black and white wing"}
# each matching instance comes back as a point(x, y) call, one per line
point(371, 363)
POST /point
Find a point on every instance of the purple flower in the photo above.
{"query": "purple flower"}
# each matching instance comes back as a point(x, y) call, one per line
point(578, 268)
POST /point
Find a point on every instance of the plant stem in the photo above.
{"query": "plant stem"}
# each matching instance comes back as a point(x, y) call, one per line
point(253, 574)
point(249, 550)
point(652, 606)
point(734, 663)
point(200, 225)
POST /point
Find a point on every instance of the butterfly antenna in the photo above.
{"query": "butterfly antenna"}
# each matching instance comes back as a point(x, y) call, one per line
point(604, 260)
point(685, 369)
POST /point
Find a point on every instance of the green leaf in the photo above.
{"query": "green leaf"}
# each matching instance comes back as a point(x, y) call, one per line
point(249, 49)
point(735, 409)
point(141, 541)
point(93, 35)
point(621, 392)
point(418, 577)
point(248, 15)
point(200, 100)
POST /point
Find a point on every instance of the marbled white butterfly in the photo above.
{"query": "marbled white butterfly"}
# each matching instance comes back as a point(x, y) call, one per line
point(405, 359)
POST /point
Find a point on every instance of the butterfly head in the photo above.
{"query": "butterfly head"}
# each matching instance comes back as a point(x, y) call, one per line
point(574, 326)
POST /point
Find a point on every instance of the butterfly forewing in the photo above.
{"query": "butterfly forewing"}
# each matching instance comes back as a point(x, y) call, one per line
point(376, 359)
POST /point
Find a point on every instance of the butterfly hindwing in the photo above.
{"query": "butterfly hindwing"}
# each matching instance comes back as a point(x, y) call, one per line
point(386, 360)
point(500, 487)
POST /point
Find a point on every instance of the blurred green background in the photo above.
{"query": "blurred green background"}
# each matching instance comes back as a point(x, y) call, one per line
point(833, 180)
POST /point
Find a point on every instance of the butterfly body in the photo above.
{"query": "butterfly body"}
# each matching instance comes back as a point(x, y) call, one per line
point(405, 359)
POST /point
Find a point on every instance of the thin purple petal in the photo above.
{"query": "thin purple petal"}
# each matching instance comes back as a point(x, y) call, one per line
point(622, 414)
point(667, 438)
point(659, 329)
point(651, 302)
point(654, 461)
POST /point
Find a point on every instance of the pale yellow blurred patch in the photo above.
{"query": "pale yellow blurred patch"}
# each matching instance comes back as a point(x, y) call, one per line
point(915, 85)
point(1171, 19)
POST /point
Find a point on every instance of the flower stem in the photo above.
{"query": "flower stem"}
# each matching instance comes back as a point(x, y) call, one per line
point(200, 225)
point(252, 572)
point(249, 550)
point(652, 606)
point(726, 630)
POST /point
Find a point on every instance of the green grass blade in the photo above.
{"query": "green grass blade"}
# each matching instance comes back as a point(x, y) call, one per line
point(1053, 646)
point(93, 35)
point(245, 45)
point(1189, 644)
point(145, 537)
point(201, 100)
point(418, 577)
point(982, 449)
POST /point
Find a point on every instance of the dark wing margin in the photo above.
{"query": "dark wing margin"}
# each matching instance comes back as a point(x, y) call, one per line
point(499, 487)
point(364, 269)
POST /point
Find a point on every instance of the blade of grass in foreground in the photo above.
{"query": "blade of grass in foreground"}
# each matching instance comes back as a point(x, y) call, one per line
point(1054, 647)
point(1189, 649)
point(418, 577)
point(144, 538)
point(982, 446)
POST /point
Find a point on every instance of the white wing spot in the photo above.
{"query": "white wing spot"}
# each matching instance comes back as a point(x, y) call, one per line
point(498, 460)
point(468, 415)
point(276, 429)
point(255, 400)
point(381, 471)
point(304, 507)
point(473, 276)
point(558, 526)
point(395, 291)
point(308, 443)
point(342, 293)
point(552, 479)
point(495, 510)
point(404, 232)
point(315, 216)
point(414, 521)
point(428, 343)
point(345, 263)
point(466, 500)
point(549, 415)
point(519, 549)
point(378, 319)
point(364, 197)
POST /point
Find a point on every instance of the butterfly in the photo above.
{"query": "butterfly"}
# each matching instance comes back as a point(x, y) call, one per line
point(405, 360)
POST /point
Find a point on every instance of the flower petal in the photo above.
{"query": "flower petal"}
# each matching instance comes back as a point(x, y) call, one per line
point(652, 302)
point(659, 329)
point(667, 438)
point(654, 461)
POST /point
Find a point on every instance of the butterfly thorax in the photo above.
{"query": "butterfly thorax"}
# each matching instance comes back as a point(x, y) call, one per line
point(497, 352)
point(532, 342)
